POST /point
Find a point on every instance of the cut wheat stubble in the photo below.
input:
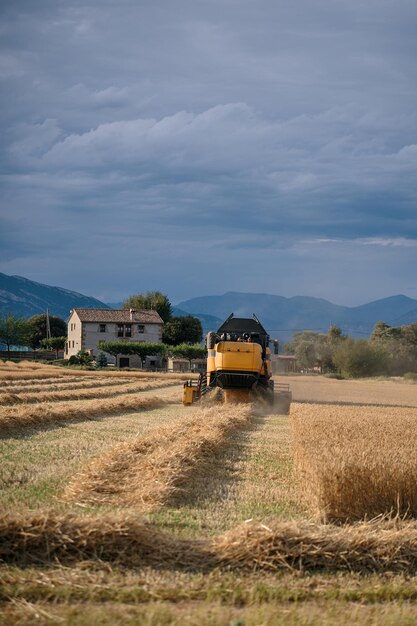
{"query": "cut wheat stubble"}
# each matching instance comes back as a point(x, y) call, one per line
point(148, 472)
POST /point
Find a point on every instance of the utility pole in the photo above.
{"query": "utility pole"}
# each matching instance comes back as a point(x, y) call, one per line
point(48, 325)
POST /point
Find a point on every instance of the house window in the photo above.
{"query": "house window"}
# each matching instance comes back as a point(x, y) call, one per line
point(141, 328)
point(123, 330)
point(102, 328)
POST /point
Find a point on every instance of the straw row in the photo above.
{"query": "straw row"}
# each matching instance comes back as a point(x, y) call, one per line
point(10, 376)
point(12, 365)
point(23, 416)
point(64, 383)
point(389, 546)
point(98, 391)
point(151, 470)
point(49, 371)
point(356, 462)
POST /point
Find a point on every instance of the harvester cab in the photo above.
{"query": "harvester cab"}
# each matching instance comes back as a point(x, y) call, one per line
point(239, 363)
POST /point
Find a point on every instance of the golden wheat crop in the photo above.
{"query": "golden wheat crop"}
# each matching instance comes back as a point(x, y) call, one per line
point(148, 471)
point(356, 462)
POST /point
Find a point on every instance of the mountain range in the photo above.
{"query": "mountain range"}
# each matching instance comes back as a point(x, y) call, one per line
point(24, 297)
point(281, 316)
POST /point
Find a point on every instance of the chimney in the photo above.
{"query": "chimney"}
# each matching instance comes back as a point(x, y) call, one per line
point(132, 312)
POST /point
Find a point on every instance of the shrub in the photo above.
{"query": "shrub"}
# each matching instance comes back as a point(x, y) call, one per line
point(356, 358)
point(101, 360)
point(81, 358)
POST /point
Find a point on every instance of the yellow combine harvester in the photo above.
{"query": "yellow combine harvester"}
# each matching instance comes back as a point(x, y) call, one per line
point(239, 362)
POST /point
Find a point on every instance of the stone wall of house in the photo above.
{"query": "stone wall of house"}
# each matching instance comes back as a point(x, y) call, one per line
point(86, 336)
point(74, 336)
point(92, 335)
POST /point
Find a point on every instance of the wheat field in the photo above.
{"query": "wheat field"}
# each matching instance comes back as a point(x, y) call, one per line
point(122, 506)
point(356, 462)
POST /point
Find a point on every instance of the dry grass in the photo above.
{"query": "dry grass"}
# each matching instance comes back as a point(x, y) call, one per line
point(22, 416)
point(209, 613)
point(128, 541)
point(356, 462)
point(98, 391)
point(149, 471)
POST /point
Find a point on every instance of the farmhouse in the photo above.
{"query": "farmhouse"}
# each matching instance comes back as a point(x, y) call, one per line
point(87, 327)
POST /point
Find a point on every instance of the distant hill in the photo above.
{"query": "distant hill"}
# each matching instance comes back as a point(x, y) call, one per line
point(282, 317)
point(208, 322)
point(115, 305)
point(25, 298)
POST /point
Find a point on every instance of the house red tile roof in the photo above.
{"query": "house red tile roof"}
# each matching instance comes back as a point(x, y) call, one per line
point(118, 316)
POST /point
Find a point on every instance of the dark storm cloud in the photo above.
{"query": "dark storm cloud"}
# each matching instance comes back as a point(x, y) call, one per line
point(174, 134)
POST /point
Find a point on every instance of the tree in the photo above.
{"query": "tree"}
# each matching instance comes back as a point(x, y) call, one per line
point(188, 351)
point(307, 347)
point(81, 358)
point(356, 358)
point(54, 343)
point(185, 329)
point(401, 345)
point(334, 334)
point(142, 349)
point(101, 360)
point(37, 328)
point(381, 331)
point(154, 300)
point(13, 331)
point(316, 349)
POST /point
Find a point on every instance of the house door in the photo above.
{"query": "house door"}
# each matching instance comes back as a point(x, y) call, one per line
point(124, 361)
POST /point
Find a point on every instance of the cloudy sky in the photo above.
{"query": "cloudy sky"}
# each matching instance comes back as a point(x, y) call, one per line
point(197, 147)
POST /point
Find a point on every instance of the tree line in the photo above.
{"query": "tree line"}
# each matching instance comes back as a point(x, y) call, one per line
point(390, 351)
point(22, 332)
